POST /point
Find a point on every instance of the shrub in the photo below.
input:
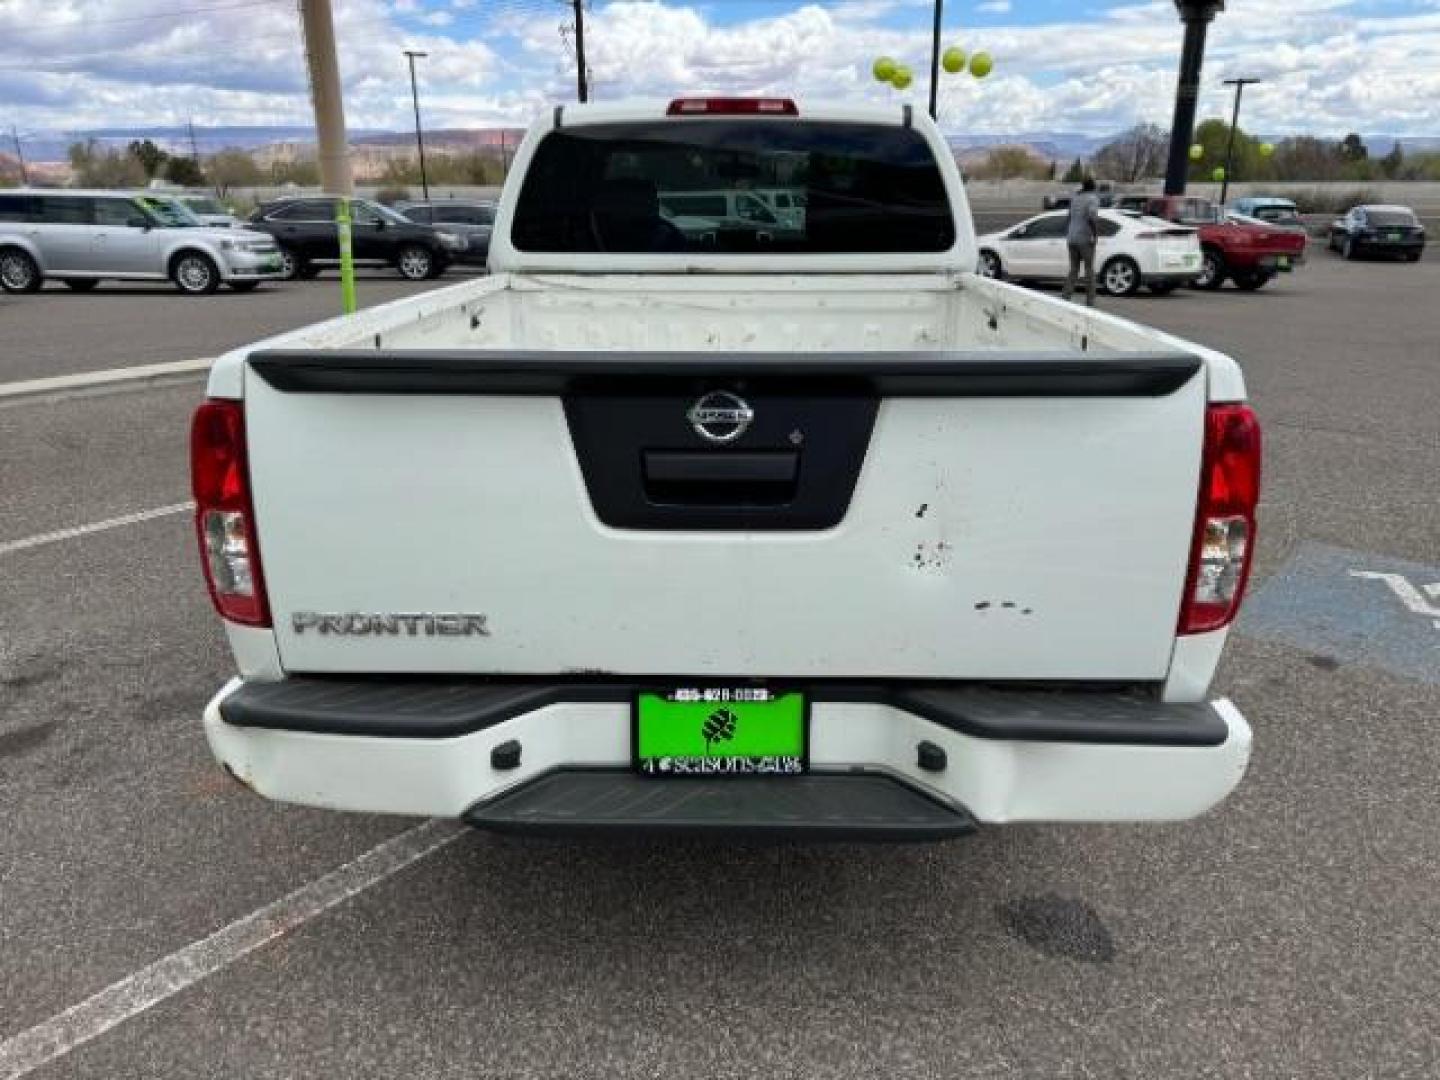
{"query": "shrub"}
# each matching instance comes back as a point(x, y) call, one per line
point(391, 194)
point(1332, 201)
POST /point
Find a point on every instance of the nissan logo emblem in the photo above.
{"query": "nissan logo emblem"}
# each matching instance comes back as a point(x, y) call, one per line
point(720, 416)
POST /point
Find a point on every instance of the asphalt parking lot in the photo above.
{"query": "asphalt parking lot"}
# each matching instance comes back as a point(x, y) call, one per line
point(1295, 932)
point(60, 332)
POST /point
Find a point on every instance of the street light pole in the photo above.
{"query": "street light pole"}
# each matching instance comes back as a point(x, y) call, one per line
point(935, 57)
point(1196, 14)
point(582, 83)
point(412, 54)
point(1239, 85)
point(20, 156)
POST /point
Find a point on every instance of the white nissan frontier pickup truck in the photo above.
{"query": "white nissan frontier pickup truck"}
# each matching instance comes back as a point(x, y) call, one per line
point(688, 518)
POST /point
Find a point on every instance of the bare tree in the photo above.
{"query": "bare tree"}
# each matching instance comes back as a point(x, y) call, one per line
point(100, 167)
point(230, 169)
point(1134, 155)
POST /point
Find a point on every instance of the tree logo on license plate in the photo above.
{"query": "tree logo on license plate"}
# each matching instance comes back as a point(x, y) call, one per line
point(719, 726)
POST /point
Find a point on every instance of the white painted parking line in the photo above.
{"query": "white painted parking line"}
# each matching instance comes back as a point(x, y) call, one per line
point(91, 381)
point(9, 547)
point(151, 985)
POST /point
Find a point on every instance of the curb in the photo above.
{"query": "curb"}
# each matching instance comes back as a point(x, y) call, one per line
point(93, 382)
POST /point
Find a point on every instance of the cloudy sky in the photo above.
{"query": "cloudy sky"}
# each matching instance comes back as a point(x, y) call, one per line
point(1091, 66)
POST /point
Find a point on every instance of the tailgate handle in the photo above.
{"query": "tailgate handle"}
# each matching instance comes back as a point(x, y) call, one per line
point(759, 467)
point(746, 478)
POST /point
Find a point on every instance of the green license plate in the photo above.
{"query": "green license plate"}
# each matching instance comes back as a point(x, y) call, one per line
point(721, 731)
point(1284, 262)
point(1394, 236)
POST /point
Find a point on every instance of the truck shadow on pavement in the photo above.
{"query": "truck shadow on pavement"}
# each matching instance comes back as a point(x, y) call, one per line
point(893, 905)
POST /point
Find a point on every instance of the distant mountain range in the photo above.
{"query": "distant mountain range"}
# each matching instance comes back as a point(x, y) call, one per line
point(52, 145)
point(1051, 145)
point(1067, 146)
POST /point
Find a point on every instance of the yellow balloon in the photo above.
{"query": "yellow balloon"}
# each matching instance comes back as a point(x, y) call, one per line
point(1197, 152)
point(954, 60)
point(981, 65)
point(902, 78)
point(883, 69)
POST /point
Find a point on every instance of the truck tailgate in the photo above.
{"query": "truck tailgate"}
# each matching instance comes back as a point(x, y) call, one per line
point(944, 515)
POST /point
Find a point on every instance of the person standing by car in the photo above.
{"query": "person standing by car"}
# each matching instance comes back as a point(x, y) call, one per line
point(1081, 236)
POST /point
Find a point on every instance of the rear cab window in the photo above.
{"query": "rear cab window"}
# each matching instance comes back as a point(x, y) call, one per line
point(1391, 218)
point(690, 186)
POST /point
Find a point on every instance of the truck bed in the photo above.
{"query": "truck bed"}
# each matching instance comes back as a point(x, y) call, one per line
point(733, 313)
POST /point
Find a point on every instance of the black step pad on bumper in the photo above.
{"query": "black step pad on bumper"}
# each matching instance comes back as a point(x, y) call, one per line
point(820, 806)
point(419, 707)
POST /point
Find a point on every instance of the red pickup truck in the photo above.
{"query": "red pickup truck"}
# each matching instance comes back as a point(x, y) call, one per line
point(1248, 253)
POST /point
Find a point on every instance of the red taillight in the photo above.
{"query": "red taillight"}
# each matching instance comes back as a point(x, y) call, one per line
point(1224, 541)
point(224, 516)
point(732, 106)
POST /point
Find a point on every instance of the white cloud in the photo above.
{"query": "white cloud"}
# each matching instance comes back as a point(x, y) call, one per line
point(994, 7)
point(1329, 65)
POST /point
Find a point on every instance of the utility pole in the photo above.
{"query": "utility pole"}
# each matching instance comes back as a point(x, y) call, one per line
point(194, 146)
point(411, 54)
point(319, 28)
point(935, 57)
point(1196, 15)
point(582, 83)
point(20, 156)
point(1239, 85)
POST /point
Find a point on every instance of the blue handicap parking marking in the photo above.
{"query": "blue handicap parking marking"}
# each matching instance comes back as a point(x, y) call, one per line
point(1355, 605)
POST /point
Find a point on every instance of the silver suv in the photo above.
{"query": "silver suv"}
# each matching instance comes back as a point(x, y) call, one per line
point(84, 237)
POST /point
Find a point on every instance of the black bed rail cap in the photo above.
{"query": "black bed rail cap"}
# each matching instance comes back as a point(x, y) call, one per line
point(940, 373)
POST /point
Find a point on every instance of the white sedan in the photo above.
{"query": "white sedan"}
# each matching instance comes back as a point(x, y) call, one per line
point(1134, 251)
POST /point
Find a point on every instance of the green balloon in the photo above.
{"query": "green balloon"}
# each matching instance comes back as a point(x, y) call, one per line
point(981, 65)
point(883, 69)
point(1219, 174)
point(1197, 152)
point(902, 78)
point(954, 60)
point(1267, 149)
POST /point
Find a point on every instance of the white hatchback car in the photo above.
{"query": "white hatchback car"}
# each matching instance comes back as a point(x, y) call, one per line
point(1134, 251)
